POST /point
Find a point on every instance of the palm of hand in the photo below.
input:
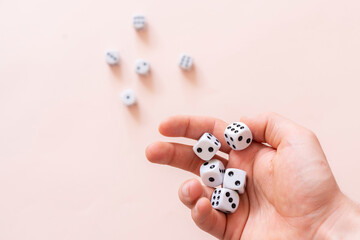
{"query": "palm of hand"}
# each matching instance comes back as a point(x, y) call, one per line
point(288, 191)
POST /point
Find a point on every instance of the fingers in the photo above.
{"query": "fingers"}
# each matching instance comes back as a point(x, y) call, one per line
point(209, 219)
point(193, 127)
point(176, 155)
point(196, 197)
point(191, 190)
point(274, 129)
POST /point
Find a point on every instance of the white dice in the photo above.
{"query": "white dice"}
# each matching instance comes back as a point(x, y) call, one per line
point(212, 173)
point(225, 200)
point(139, 21)
point(238, 136)
point(128, 97)
point(142, 67)
point(207, 146)
point(112, 57)
point(235, 179)
point(185, 61)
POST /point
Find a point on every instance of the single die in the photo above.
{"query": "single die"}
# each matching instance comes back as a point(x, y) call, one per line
point(238, 136)
point(207, 146)
point(235, 179)
point(225, 200)
point(139, 21)
point(142, 67)
point(128, 97)
point(112, 57)
point(212, 173)
point(185, 61)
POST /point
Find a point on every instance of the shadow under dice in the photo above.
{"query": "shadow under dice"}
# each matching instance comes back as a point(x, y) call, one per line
point(235, 179)
point(225, 200)
point(207, 146)
point(212, 173)
point(238, 136)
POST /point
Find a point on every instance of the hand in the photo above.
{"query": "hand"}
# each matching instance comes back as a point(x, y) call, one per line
point(291, 192)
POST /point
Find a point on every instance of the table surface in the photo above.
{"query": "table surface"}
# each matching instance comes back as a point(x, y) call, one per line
point(72, 163)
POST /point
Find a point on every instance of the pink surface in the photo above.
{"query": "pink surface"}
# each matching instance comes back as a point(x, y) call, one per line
point(72, 162)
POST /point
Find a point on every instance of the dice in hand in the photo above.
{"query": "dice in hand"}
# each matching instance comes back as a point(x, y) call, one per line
point(225, 200)
point(207, 146)
point(235, 179)
point(212, 173)
point(238, 136)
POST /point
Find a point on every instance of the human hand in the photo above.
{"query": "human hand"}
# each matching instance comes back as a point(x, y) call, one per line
point(291, 192)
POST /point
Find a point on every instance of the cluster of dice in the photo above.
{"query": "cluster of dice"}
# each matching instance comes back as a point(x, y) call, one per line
point(213, 173)
point(142, 67)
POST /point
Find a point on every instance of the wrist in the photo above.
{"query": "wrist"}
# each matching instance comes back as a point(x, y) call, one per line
point(342, 223)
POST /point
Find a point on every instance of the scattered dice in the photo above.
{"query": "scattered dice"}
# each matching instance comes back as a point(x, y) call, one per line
point(128, 97)
point(225, 200)
point(185, 61)
point(207, 146)
point(142, 67)
point(212, 173)
point(139, 21)
point(238, 136)
point(112, 57)
point(235, 179)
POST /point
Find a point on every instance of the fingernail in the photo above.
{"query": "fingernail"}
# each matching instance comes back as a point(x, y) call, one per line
point(185, 189)
point(196, 208)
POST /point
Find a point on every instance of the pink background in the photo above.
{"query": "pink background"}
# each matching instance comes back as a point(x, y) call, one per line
point(72, 162)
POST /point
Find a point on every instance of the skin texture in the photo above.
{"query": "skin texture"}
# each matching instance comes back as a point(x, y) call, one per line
point(291, 192)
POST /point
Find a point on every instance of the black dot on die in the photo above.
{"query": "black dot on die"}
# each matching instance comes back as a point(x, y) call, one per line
point(230, 200)
point(218, 197)
point(138, 68)
point(234, 123)
point(212, 203)
point(234, 146)
point(217, 140)
point(214, 197)
point(231, 173)
point(233, 205)
point(209, 137)
point(217, 203)
point(231, 139)
point(228, 127)
point(144, 63)
point(236, 131)
point(242, 128)
point(216, 143)
point(211, 179)
point(227, 194)
point(199, 150)
point(237, 183)
point(206, 163)
point(232, 129)
point(127, 97)
point(226, 136)
point(219, 191)
point(212, 166)
point(238, 125)
point(211, 149)
point(228, 143)
point(240, 138)
point(228, 212)
point(248, 140)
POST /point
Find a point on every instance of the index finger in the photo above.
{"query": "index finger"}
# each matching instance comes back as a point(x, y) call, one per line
point(193, 127)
